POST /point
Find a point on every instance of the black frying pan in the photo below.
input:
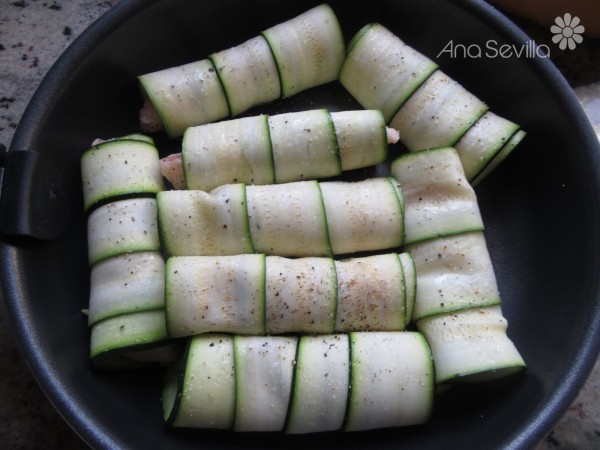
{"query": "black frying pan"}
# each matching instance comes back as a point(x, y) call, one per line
point(541, 210)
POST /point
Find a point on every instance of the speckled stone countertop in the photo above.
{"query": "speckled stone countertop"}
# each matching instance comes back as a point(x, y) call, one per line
point(33, 34)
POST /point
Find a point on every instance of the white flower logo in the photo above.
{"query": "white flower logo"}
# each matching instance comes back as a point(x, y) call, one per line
point(567, 31)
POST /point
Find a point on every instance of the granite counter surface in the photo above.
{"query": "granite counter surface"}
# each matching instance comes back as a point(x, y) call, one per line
point(33, 34)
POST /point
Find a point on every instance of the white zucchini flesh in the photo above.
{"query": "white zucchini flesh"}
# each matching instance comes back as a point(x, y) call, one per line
point(363, 215)
point(308, 49)
point(438, 199)
point(119, 167)
point(203, 394)
point(248, 73)
point(122, 226)
point(321, 382)
point(392, 380)
point(126, 283)
point(471, 345)
point(201, 223)
point(500, 156)
point(264, 369)
point(362, 138)
point(438, 113)
point(410, 278)
point(288, 219)
point(186, 95)
point(127, 332)
point(228, 152)
point(371, 294)
point(304, 146)
point(215, 294)
point(381, 71)
point(483, 141)
point(301, 295)
point(453, 273)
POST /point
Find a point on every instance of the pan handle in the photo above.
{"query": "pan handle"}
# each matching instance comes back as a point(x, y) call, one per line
point(32, 195)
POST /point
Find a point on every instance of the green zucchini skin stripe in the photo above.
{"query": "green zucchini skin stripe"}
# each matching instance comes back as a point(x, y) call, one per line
point(300, 385)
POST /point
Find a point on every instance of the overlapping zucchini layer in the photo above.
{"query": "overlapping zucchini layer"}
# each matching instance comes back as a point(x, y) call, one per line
point(281, 333)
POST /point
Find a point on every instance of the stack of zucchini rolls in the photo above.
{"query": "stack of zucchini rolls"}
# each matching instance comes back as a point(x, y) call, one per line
point(280, 297)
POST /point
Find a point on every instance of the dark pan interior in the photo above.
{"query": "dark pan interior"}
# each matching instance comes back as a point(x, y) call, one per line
point(540, 209)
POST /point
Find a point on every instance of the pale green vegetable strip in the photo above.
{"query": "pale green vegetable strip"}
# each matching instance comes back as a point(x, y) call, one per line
point(438, 199)
point(301, 295)
point(207, 385)
point(453, 273)
point(437, 114)
point(122, 226)
point(264, 369)
point(308, 49)
point(392, 380)
point(128, 282)
point(248, 73)
point(471, 345)
point(215, 294)
point(321, 384)
point(120, 167)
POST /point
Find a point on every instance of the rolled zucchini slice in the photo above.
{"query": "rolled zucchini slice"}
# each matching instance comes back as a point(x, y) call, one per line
point(202, 393)
point(425, 105)
point(480, 144)
point(121, 227)
point(248, 73)
point(127, 333)
point(304, 146)
point(119, 167)
point(371, 294)
point(215, 294)
point(381, 72)
point(185, 96)
point(264, 368)
point(303, 384)
point(392, 380)
point(438, 114)
point(471, 345)
point(288, 219)
point(308, 49)
point(228, 152)
point(301, 295)
point(254, 294)
point(362, 138)
point(201, 223)
point(302, 218)
point(295, 55)
point(126, 283)
point(438, 199)
point(363, 215)
point(279, 148)
point(453, 273)
point(321, 383)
